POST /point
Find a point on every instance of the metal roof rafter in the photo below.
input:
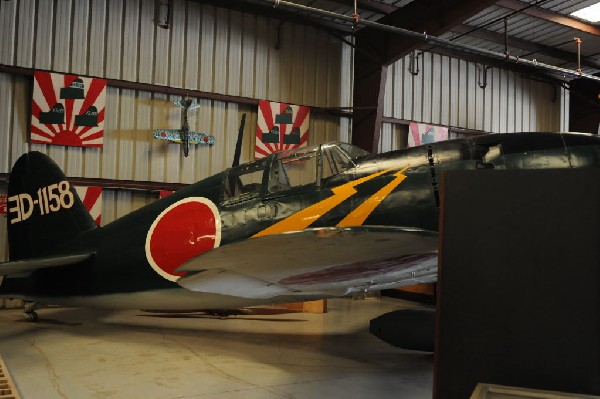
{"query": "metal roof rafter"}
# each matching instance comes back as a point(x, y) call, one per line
point(551, 16)
point(425, 37)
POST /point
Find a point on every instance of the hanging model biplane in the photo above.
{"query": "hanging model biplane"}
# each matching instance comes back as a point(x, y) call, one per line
point(315, 222)
point(184, 135)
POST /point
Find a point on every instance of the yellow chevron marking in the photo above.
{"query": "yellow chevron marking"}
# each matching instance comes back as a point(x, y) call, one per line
point(358, 216)
point(304, 218)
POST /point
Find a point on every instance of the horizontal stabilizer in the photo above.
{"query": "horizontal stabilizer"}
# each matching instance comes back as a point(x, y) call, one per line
point(27, 266)
point(335, 261)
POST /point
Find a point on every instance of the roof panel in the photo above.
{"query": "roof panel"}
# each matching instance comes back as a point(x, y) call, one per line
point(520, 26)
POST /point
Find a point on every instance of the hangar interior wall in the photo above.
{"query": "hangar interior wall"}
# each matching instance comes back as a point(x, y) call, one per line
point(226, 52)
point(446, 91)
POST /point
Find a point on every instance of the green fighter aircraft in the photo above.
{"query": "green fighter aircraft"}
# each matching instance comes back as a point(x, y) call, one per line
point(316, 222)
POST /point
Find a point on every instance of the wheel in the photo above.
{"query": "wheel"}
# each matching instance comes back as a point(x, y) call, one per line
point(31, 316)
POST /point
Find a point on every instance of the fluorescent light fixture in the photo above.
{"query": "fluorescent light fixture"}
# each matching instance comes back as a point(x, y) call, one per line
point(591, 13)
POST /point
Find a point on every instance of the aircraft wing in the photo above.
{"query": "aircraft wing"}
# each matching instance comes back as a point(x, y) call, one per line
point(28, 266)
point(174, 135)
point(316, 262)
point(168, 134)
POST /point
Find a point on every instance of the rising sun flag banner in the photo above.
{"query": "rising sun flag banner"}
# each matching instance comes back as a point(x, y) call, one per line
point(280, 127)
point(92, 200)
point(67, 110)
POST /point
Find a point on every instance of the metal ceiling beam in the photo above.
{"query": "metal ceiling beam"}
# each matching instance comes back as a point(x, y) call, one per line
point(498, 38)
point(370, 73)
point(550, 16)
point(278, 13)
point(433, 17)
point(368, 5)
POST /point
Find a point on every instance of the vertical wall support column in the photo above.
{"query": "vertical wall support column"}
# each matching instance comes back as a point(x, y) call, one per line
point(432, 16)
point(369, 92)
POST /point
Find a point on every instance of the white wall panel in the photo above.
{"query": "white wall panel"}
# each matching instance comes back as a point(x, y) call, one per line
point(261, 57)
point(161, 55)
point(21, 89)
point(146, 45)
point(111, 123)
point(435, 91)
point(125, 135)
point(25, 33)
point(234, 54)
point(296, 66)
point(131, 41)
point(8, 21)
point(97, 51)
point(207, 44)
point(250, 58)
point(114, 40)
point(143, 143)
point(62, 36)
point(347, 75)
point(6, 129)
point(192, 47)
point(80, 37)
point(177, 44)
point(221, 39)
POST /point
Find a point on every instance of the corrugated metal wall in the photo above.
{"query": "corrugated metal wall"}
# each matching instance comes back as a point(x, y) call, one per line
point(207, 48)
point(447, 92)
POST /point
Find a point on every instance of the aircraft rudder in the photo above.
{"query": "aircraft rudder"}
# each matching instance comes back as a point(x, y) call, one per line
point(44, 210)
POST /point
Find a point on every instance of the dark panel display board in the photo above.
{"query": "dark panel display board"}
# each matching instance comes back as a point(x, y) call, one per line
point(519, 287)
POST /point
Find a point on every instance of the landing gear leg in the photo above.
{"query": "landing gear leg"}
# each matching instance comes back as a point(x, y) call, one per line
point(29, 311)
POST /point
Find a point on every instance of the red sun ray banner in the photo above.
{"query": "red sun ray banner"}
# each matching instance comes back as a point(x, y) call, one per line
point(164, 193)
point(280, 127)
point(67, 110)
point(421, 133)
point(92, 200)
point(3, 204)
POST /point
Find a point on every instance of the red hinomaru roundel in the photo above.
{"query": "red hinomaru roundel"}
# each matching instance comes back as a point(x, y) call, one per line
point(185, 229)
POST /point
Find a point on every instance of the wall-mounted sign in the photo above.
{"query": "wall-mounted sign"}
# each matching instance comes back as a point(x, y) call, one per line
point(92, 200)
point(164, 193)
point(67, 110)
point(421, 133)
point(280, 127)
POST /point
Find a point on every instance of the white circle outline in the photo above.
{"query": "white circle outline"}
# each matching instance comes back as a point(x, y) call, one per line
point(201, 200)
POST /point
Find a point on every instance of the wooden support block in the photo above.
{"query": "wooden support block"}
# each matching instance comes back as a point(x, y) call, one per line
point(318, 306)
point(425, 289)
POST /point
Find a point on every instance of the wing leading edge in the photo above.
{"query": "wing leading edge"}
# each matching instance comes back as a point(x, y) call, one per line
point(322, 261)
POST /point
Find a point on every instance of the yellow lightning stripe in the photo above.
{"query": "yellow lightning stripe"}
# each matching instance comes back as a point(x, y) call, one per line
point(304, 218)
point(358, 216)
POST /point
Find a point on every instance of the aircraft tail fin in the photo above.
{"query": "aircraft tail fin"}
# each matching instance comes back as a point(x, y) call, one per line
point(44, 210)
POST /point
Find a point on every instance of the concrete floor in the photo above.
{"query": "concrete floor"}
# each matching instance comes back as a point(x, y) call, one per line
point(82, 353)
